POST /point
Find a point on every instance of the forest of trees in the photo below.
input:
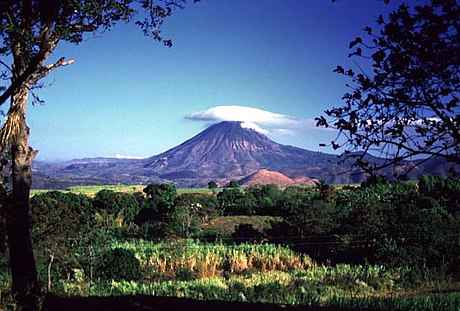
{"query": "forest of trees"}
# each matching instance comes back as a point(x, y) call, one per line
point(390, 223)
point(406, 226)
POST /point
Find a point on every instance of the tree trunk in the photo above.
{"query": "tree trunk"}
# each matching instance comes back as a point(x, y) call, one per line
point(22, 262)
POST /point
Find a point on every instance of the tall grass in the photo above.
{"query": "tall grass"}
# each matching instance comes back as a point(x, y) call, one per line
point(315, 288)
point(170, 259)
point(263, 273)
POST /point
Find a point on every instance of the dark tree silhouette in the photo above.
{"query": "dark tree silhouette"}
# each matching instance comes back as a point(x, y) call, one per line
point(404, 97)
point(160, 197)
point(212, 185)
point(30, 30)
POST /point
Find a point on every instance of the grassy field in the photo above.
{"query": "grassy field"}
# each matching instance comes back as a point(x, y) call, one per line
point(262, 273)
point(92, 190)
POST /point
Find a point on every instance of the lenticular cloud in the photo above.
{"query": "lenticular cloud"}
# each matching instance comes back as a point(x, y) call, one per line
point(262, 121)
point(251, 117)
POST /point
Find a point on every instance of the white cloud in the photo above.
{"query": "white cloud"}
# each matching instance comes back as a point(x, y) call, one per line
point(260, 120)
point(121, 156)
point(241, 113)
point(289, 132)
point(250, 125)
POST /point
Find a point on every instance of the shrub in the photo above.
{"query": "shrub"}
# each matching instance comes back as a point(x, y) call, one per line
point(266, 198)
point(117, 203)
point(446, 191)
point(160, 197)
point(119, 264)
point(59, 221)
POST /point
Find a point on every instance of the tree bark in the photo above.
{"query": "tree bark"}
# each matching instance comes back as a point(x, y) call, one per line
point(22, 262)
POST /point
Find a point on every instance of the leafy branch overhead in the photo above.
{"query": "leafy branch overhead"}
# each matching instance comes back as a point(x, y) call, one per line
point(404, 95)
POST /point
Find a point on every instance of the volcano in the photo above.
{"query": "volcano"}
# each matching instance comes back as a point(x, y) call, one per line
point(222, 152)
point(229, 150)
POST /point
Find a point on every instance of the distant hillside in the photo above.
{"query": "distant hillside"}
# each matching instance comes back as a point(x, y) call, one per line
point(222, 152)
point(265, 177)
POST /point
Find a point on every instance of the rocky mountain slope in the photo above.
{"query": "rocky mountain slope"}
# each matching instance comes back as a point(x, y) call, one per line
point(227, 150)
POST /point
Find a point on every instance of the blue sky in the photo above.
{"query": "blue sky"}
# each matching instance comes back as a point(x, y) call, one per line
point(128, 95)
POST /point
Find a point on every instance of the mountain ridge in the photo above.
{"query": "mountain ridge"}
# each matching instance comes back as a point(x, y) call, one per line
point(221, 152)
point(228, 147)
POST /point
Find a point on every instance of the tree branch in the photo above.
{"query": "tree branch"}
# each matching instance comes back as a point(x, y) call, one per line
point(46, 48)
point(47, 69)
point(6, 65)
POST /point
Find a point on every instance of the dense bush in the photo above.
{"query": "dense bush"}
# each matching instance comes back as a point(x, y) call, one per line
point(59, 222)
point(292, 197)
point(266, 199)
point(118, 264)
point(154, 209)
point(393, 224)
point(160, 197)
point(60, 215)
point(445, 190)
point(246, 233)
point(117, 203)
point(183, 221)
point(232, 202)
point(189, 212)
point(207, 205)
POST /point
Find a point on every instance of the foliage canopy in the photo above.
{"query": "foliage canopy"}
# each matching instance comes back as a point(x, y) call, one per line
point(409, 104)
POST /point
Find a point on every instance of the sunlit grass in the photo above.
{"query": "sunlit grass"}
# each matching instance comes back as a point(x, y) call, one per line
point(170, 258)
point(262, 273)
point(92, 190)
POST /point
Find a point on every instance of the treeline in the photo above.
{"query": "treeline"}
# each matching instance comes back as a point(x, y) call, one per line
point(390, 223)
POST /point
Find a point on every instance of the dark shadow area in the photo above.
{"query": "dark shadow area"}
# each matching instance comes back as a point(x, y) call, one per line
point(53, 302)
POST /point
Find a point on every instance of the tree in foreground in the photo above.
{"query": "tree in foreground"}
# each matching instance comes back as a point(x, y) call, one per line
point(404, 99)
point(30, 31)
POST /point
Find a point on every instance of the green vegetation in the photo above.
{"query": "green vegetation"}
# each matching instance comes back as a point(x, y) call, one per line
point(263, 273)
point(224, 227)
point(119, 264)
point(379, 245)
point(92, 190)
point(194, 190)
